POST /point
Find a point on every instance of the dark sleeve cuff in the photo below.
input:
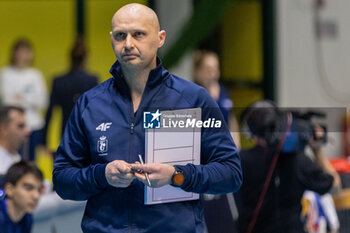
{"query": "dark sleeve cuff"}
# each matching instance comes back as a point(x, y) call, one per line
point(100, 175)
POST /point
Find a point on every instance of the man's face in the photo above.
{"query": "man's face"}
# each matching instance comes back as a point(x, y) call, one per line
point(23, 57)
point(26, 193)
point(136, 38)
point(209, 70)
point(16, 130)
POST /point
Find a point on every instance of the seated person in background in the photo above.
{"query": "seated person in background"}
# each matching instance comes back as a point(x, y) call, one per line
point(13, 133)
point(23, 85)
point(279, 155)
point(23, 185)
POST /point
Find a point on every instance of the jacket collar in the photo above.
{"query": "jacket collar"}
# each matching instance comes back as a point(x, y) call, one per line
point(156, 75)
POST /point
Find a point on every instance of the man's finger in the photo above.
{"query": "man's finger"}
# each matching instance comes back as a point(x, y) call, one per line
point(124, 168)
point(122, 184)
point(142, 178)
point(123, 176)
point(144, 167)
point(137, 167)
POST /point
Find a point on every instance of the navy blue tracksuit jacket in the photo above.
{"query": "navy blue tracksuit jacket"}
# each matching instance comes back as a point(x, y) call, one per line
point(79, 168)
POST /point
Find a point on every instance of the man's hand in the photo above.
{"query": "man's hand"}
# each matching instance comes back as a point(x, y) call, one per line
point(119, 174)
point(159, 174)
point(319, 133)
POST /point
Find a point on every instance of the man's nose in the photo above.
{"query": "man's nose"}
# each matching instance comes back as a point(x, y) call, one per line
point(36, 194)
point(27, 132)
point(129, 42)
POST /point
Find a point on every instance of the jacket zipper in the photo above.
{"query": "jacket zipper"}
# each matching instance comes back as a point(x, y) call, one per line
point(131, 150)
point(132, 127)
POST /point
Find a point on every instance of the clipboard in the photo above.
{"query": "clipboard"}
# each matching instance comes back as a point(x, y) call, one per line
point(174, 144)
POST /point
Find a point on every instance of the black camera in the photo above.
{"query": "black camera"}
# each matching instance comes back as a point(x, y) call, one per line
point(265, 120)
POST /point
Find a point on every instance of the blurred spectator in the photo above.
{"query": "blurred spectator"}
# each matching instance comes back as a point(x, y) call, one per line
point(23, 186)
point(219, 210)
point(13, 133)
point(277, 172)
point(206, 72)
point(68, 88)
point(22, 85)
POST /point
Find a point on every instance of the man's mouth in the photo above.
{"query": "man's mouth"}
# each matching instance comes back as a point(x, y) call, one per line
point(129, 55)
point(32, 205)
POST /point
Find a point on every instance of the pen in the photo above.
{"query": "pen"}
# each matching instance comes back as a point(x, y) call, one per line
point(148, 180)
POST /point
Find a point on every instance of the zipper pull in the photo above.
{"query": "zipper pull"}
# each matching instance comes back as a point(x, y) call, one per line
point(132, 128)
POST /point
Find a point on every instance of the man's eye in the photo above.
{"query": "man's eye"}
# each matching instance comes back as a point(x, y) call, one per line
point(28, 187)
point(139, 34)
point(119, 36)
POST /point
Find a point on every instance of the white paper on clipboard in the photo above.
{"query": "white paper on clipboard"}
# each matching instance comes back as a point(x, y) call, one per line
point(174, 145)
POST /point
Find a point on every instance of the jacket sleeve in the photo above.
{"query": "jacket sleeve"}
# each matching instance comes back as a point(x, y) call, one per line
point(74, 177)
point(312, 176)
point(220, 169)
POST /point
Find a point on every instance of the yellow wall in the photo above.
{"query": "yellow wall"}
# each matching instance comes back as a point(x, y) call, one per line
point(49, 25)
point(242, 54)
point(242, 97)
point(98, 25)
point(242, 42)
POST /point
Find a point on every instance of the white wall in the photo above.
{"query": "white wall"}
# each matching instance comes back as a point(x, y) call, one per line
point(313, 71)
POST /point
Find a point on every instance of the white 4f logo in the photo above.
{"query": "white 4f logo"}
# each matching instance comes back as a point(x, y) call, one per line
point(104, 126)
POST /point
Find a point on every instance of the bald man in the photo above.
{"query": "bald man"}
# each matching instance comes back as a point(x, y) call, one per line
point(104, 136)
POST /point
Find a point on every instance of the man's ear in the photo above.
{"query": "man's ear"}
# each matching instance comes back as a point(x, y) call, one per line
point(162, 35)
point(9, 189)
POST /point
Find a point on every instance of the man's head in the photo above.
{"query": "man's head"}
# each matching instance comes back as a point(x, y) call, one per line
point(78, 53)
point(264, 120)
point(206, 67)
point(136, 36)
point(13, 128)
point(22, 54)
point(23, 185)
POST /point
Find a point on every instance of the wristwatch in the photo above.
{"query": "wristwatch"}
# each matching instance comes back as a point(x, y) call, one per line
point(178, 177)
